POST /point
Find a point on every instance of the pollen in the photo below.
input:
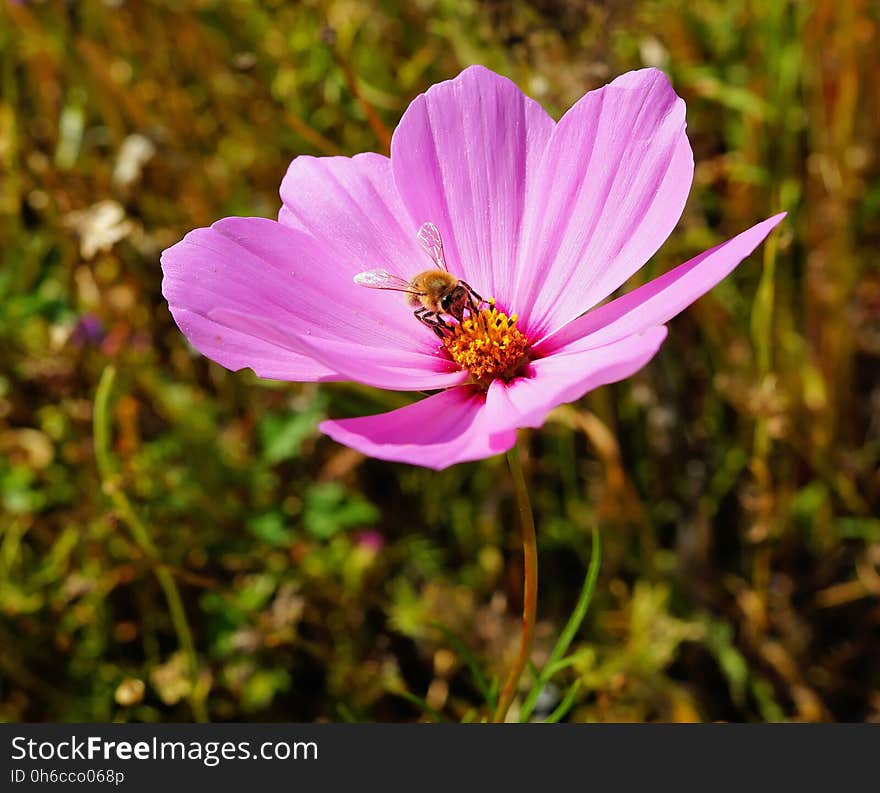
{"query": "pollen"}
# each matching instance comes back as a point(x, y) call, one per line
point(489, 345)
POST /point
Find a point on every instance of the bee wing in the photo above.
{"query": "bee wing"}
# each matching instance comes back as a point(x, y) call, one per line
point(382, 279)
point(432, 243)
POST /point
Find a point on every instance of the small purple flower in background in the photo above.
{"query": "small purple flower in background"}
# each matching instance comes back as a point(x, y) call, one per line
point(546, 219)
point(88, 331)
point(372, 540)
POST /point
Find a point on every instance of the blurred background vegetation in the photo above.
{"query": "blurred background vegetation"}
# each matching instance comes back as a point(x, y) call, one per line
point(219, 558)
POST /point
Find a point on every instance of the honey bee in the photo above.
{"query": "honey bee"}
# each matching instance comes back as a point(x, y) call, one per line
point(436, 292)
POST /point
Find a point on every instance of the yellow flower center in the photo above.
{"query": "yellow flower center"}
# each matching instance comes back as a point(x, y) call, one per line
point(489, 345)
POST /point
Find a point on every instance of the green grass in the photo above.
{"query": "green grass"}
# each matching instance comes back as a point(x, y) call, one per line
point(734, 479)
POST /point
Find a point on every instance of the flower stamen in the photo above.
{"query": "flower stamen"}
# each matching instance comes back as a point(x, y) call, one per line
point(489, 345)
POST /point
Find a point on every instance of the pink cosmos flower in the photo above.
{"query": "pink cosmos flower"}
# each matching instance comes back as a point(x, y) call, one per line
point(546, 218)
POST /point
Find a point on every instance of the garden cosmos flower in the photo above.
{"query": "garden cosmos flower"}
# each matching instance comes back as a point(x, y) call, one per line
point(547, 218)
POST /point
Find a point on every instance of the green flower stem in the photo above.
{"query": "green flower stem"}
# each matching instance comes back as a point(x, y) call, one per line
point(530, 587)
point(111, 486)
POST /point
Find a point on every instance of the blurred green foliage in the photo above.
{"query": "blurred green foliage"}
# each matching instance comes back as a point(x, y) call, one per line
point(735, 479)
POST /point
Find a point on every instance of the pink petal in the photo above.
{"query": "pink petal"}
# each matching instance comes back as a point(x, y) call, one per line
point(450, 427)
point(240, 349)
point(612, 184)
point(378, 367)
point(352, 207)
point(463, 424)
point(383, 368)
point(465, 156)
point(253, 292)
point(573, 370)
point(659, 300)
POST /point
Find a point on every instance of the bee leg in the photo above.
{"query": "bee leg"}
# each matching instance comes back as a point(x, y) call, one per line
point(474, 300)
point(431, 320)
point(420, 315)
point(473, 294)
point(435, 324)
point(441, 326)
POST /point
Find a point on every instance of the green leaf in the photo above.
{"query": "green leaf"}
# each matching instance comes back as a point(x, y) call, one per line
point(570, 630)
point(329, 510)
point(282, 435)
point(261, 688)
point(271, 528)
point(566, 705)
point(420, 704)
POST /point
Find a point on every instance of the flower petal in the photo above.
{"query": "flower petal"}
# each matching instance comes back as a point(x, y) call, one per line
point(352, 207)
point(573, 370)
point(613, 182)
point(451, 427)
point(464, 424)
point(377, 367)
point(383, 368)
point(659, 300)
point(248, 347)
point(250, 291)
point(465, 156)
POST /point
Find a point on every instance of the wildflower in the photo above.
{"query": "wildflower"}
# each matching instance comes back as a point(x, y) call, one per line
point(88, 331)
point(372, 540)
point(546, 219)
